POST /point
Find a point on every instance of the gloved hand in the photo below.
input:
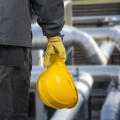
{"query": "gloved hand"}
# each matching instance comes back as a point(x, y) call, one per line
point(55, 46)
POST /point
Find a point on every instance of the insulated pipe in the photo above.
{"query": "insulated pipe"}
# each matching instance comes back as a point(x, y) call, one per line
point(39, 41)
point(73, 37)
point(96, 19)
point(107, 48)
point(84, 86)
point(111, 107)
point(99, 73)
point(86, 42)
point(105, 34)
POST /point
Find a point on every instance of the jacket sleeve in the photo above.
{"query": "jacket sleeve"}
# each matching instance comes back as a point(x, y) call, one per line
point(50, 16)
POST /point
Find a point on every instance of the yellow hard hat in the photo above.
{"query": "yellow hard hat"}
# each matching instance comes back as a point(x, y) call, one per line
point(55, 86)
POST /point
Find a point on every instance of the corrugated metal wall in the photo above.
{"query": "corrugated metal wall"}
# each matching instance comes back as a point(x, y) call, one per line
point(94, 10)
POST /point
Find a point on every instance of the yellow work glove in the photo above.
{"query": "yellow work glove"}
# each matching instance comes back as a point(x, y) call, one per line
point(55, 46)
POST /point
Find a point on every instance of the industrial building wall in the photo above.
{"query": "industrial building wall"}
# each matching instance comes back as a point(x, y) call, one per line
point(86, 8)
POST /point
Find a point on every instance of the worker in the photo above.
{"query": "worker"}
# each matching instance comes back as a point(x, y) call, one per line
point(15, 49)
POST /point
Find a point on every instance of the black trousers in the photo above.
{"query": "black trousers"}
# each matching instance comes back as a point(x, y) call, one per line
point(14, 89)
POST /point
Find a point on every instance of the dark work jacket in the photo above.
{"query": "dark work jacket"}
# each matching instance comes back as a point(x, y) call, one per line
point(15, 20)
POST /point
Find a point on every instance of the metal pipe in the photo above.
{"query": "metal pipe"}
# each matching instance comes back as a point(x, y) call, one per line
point(87, 43)
point(84, 86)
point(111, 107)
point(99, 73)
point(107, 48)
point(96, 19)
point(39, 41)
point(105, 34)
point(73, 37)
